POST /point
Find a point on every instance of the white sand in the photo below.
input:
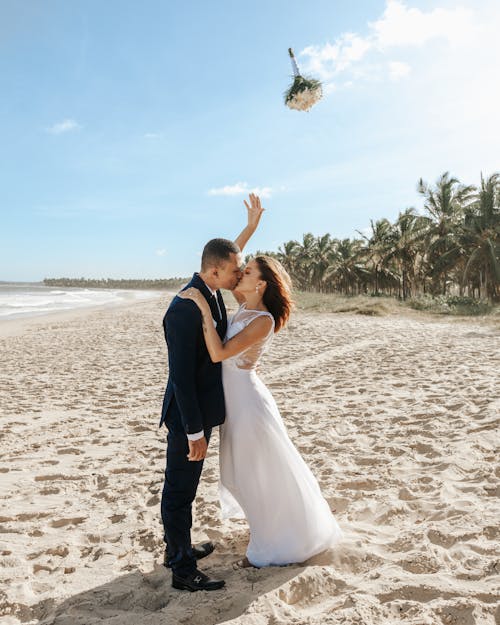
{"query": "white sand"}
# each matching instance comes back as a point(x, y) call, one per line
point(397, 417)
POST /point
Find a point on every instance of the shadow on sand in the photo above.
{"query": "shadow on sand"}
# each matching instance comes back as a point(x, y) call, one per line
point(148, 599)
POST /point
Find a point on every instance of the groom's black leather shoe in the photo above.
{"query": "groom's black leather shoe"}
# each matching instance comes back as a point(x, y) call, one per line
point(201, 551)
point(196, 581)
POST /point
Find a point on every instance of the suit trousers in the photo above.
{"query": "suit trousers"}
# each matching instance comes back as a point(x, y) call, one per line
point(179, 490)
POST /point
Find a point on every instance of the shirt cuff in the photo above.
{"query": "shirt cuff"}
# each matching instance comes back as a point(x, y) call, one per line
point(196, 437)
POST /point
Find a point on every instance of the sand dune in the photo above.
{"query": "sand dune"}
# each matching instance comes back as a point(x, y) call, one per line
point(397, 416)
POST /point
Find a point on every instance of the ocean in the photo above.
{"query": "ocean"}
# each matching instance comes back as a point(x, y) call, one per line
point(24, 299)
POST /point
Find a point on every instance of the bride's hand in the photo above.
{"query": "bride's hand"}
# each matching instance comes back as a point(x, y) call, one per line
point(195, 296)
point(254, 211)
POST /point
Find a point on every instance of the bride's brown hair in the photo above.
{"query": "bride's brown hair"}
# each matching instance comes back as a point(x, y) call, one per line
point(278, 294)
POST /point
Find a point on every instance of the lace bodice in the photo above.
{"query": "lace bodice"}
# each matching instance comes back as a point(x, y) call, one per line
point(248, 358)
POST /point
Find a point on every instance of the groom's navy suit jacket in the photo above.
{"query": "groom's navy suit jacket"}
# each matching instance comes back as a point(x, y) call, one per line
point(194, 388)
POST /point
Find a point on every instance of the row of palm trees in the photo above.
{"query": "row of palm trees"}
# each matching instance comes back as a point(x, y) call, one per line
point(111, 283)
point(451, 248)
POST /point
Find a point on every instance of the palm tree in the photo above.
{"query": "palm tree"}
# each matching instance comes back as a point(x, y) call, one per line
point(347, 272)
point(404, 245)
point(305, 258)
point(377, 246)
point(481, 236)
point(288, 254)
point(324, 256)
point(445, 205)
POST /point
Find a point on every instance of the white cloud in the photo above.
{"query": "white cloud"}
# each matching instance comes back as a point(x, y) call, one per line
point(161, 252)
point(235, 189)
point(330, 59)
point(404, 26)
point(152, 135)
point(355, 57)
point(67, 125)
point(241, 188)
point(398, 70)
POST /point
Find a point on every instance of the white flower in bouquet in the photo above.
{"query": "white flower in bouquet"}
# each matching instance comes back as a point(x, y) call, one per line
point(304, 92)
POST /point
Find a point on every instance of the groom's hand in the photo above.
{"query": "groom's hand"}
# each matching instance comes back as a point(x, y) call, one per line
point(197, 449)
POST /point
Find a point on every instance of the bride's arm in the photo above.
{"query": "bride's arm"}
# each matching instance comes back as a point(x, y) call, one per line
point(255, 330)
point(254, 213)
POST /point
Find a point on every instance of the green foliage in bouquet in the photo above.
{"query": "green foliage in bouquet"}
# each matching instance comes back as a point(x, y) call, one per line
point(301, 83)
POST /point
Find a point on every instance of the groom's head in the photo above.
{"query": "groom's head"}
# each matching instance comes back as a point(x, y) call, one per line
point(221, 264)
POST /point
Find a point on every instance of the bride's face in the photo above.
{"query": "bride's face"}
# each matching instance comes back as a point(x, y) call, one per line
point(251, 279)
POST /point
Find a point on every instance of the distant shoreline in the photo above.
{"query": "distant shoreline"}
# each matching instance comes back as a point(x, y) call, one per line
point(123, 283)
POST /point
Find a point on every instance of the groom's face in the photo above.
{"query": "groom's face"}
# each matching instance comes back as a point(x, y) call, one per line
point(229, 272)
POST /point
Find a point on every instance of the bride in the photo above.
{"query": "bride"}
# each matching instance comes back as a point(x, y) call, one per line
point(263, 477)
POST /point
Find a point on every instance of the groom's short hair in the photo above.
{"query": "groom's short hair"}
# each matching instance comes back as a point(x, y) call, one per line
point(217, 251)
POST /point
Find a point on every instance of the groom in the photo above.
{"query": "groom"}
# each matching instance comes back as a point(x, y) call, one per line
point(194, 401)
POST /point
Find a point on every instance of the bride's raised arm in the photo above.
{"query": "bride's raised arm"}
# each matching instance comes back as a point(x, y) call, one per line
point(254, 213)
point(254, 331)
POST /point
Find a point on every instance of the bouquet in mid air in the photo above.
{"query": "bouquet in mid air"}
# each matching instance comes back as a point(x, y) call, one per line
point(304, 92)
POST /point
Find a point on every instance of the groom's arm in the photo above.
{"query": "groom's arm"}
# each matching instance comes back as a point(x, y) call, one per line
point(254, 213)
point(182, 326)
point(183, 323)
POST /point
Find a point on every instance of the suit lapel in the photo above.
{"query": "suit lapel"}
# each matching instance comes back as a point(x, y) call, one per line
point(223, 324)
point(197, 282)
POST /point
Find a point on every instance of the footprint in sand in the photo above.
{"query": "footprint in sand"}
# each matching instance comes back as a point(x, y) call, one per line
point(102, 482)
point(125, 470)
point(438, 538)
point(357, 485)
point(153, 501)
point(57, 476)
point(35, 533)
point(29, 516)
point(491, 532)
point(70, 521)
point(62, 552)
point(300, 590)
point(49, 491)
point(425, 449)
point(419, 562)
point(37, 568)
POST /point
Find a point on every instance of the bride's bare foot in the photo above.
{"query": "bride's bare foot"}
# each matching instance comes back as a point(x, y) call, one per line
point(244, 563)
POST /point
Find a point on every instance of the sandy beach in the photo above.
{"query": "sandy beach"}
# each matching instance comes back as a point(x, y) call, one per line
point(397, 416)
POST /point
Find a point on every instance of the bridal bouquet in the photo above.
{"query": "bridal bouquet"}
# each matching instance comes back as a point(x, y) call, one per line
point(304, 92)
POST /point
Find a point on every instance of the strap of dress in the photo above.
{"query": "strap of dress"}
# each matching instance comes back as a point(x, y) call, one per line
point(263, 312)
point(258, 312)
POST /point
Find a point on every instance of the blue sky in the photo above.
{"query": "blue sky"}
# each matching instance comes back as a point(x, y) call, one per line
point(132, 132)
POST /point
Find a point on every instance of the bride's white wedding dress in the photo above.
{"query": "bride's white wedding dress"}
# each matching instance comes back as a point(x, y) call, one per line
point(263, 477)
